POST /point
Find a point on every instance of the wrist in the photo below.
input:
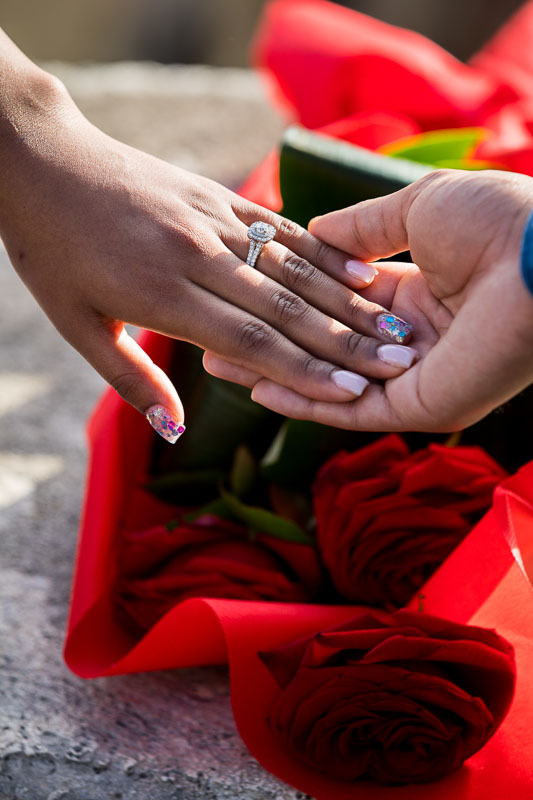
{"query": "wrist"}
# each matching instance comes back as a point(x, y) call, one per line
point(34, 108)
point(27, 104)
point(514, 308)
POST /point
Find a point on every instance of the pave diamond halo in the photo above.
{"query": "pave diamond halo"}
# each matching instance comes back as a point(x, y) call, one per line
point(259, 233)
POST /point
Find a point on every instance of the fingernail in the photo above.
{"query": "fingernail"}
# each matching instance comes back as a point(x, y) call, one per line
point(396, 355)
point(162, 422)
point(365, 272)
point(350, 381)
point(396, 328)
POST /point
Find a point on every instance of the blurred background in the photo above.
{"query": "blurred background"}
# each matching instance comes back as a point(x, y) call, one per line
point(214, 31)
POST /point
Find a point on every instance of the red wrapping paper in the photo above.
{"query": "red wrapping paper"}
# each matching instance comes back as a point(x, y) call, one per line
point(480, 582)
point(355, 78)
point(330, 62)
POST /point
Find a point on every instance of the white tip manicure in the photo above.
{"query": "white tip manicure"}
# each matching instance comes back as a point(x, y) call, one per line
point(358, 269)
point(397, 355)
point(350, 381)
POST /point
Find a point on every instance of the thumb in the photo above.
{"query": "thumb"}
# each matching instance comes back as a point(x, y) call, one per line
point(369, 230)
point(132, 373)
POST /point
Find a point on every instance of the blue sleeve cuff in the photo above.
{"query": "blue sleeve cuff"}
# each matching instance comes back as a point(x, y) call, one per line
point(526, 258)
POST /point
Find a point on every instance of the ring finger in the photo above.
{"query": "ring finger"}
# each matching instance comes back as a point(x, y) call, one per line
point(322, 291)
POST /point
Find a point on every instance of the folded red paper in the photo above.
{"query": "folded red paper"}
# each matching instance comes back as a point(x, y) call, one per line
point(357, 79)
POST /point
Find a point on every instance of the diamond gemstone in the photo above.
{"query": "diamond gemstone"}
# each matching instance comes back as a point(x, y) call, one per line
point(261, 231)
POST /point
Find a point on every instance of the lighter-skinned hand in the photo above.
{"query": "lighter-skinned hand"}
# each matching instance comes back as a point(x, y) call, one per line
point(472, 312)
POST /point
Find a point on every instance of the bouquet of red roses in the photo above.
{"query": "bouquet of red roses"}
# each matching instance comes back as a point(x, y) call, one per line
point(370, 593)
point(355, 594)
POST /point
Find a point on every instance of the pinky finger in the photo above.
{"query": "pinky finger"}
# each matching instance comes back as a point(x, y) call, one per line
point(371, 412)
point(221, 368)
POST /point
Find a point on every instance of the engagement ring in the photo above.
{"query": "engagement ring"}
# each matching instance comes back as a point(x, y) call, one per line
point(259, 233)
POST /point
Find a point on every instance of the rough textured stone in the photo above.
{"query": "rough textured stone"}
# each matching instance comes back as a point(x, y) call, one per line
point(159, 736)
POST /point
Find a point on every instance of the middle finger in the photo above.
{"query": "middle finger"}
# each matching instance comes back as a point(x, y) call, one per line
point(321, 290)
point(316, 332)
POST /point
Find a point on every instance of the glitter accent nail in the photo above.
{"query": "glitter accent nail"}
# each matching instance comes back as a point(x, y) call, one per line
point(164, 424)
point(394, 327)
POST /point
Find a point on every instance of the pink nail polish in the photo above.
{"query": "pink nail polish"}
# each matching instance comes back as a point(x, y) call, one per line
point(350, 381)
point(358, 269)
point(162, 421)
point(394, 327)
point(397, 355)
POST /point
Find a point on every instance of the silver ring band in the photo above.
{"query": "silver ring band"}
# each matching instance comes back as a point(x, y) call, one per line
point(259, 233)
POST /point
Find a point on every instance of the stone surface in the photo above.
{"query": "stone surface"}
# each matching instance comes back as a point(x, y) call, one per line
point(159, 736)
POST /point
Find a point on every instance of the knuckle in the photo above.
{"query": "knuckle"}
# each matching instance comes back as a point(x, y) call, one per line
point(254, 337)
point(353, 343)
point(180, 237)
point(128, 385)
point(358, 239)
point(311, 367)
point(353, 306)
point(438, 175)
point(288, 307)
point(290, 228)
point(297, 273)
point(322, 252)
point(189, 238)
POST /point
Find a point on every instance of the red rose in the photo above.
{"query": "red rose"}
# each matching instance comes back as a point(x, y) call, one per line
point(209, 558)
point(387, 519)
point(399, 698)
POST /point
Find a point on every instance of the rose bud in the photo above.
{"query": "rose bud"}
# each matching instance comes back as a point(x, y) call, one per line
point(209, 557)
point(387, 518)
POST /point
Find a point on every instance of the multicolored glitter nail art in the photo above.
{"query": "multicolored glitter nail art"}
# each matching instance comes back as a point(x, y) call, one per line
point(394, 327)
point(162, 422)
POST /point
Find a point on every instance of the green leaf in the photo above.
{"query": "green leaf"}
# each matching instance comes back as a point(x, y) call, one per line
point(274, 452)
point(465, 163)
point(291, 504)
point(454, 439)
point(261, 520)
point(197, 477)
point(243, 471)
point(187, 488)
point(320, 174)
point(300, 449)
point(218, 508)
point(220, 417)
point(437, 147)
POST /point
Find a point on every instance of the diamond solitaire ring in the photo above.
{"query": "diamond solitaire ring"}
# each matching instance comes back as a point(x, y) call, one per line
point(259, 233)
